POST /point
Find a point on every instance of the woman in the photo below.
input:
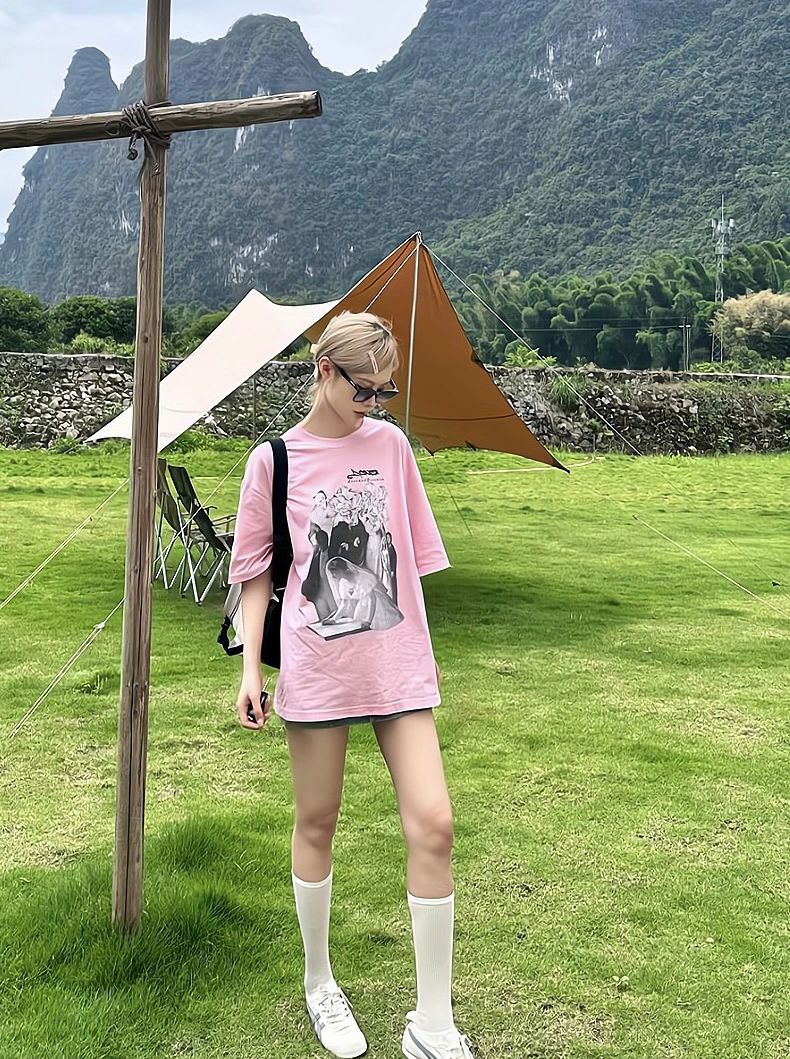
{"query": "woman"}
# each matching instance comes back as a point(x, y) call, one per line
point(355, 648)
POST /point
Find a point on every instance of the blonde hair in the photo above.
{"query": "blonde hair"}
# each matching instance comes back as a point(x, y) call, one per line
point(361, 343)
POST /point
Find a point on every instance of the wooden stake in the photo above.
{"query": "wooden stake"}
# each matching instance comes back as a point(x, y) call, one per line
point(127, 889)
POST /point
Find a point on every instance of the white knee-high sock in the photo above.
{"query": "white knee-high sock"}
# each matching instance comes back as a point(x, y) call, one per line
point(432, 926)
point(312, 909)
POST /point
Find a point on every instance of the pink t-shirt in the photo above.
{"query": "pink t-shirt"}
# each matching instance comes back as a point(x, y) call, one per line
point(354, 633)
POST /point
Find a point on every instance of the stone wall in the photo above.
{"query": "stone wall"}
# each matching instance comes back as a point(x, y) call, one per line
point(651, 412)
point(47, 397)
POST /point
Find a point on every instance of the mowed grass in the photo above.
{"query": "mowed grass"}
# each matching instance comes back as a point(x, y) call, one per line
point(615, 735)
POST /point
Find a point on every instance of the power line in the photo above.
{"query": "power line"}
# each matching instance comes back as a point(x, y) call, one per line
point(612, 327)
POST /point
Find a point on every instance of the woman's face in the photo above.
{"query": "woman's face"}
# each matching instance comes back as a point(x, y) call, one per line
point(339, 393)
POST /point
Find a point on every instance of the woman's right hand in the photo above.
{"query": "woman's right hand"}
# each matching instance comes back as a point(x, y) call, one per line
point(250, 697)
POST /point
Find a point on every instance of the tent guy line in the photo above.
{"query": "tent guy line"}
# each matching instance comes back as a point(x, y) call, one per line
point(602, 418)
point(29, 579)
point(598, 415)
point(541, 453)
point(687, 551)
point(86, 643)
point(100, 626)
point(74, 533)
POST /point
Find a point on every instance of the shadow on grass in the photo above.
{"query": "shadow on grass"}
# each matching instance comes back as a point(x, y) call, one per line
point(217, 921)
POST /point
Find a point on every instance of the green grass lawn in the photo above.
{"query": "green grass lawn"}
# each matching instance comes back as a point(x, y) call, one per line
point(615, 730)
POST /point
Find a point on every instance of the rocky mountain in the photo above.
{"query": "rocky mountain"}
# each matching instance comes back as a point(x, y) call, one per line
point(529, 134)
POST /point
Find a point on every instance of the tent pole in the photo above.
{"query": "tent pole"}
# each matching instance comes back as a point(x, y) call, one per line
point(418, 237)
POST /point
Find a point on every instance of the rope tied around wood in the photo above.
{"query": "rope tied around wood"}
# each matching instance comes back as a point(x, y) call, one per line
point(143, 127)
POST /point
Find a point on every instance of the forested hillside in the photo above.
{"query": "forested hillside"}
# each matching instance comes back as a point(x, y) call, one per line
point(559, 135)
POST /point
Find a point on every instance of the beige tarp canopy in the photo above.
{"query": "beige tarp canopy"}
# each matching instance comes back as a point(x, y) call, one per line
point(447, 399)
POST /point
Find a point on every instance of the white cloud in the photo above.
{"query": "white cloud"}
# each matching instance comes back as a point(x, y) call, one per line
point(37, 42)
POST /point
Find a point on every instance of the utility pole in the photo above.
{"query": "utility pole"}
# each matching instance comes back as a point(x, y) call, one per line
point(722, 233)
point(685, 364)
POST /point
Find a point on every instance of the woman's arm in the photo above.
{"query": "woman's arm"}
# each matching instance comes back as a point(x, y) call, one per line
point(255, 595)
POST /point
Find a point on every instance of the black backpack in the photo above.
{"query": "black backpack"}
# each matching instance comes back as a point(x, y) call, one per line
point(281, 564)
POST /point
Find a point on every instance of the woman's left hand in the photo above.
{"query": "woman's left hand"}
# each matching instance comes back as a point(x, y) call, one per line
point(438, 672)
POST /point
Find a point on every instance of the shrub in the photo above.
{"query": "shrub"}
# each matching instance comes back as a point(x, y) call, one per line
point(66, 446)
point(24, 324)
point(85, 343)
point(564, 393)
point(517, 355)
point(302, 352)
point(189, 441)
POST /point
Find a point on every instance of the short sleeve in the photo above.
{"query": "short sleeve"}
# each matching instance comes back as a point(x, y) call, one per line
point(253, 537)
point(429, 551)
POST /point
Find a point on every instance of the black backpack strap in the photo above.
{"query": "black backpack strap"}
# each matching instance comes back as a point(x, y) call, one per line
point(224, 640)
point(283, 550)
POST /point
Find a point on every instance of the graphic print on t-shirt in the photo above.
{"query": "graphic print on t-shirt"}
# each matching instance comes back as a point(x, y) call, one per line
point(352, 581)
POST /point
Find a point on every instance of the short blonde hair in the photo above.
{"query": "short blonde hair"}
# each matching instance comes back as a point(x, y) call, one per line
point(360, 343)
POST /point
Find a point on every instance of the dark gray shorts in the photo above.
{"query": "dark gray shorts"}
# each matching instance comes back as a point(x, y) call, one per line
point(362, 719)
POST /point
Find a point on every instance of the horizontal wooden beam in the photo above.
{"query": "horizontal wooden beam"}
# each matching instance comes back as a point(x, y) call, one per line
point(182, 117)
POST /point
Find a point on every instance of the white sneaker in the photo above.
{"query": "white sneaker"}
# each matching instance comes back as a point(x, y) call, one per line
point(417, 1044)
point(334, 1022)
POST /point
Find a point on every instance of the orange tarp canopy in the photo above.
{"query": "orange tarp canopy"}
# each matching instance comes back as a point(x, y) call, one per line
point(454, 402)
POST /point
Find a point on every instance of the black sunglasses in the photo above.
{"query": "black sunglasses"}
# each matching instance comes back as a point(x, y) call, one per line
point(364, 393)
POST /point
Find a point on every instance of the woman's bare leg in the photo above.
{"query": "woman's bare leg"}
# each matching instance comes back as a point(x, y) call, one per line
point(317, 766)
point(410, 747)
point(318, 758)
point(411, 750)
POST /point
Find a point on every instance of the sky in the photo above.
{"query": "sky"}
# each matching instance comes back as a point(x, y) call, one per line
point(38, 41)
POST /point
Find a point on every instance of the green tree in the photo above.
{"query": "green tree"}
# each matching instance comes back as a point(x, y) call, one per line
point(109, 318)
point(124, 319)
point(202, 327)
point(84, 314)
point(754, 327)
point(24, 322)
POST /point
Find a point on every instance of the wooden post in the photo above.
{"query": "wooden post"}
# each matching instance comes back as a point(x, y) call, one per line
point(127, 898)
point(127, 895)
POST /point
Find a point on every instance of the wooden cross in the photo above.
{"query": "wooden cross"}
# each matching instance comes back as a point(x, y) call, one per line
point(136, 663)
